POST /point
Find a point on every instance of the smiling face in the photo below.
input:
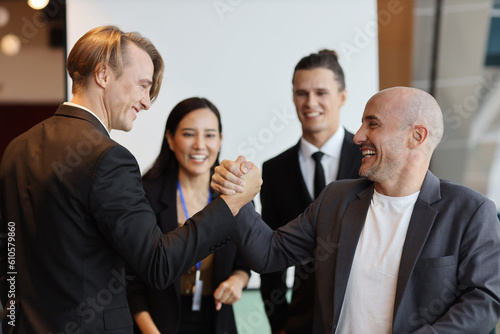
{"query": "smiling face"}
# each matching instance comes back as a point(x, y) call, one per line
point(196, 142)
point(128, 94)
point(383, 141)
point(318, 101)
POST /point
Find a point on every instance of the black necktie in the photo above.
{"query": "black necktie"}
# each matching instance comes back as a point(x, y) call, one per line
point(319, 174)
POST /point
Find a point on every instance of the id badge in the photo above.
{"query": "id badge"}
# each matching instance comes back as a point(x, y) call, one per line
point(198, 289)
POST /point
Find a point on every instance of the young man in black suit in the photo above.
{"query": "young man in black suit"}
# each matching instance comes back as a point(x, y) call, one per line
point(289, 179)
point(72, 207)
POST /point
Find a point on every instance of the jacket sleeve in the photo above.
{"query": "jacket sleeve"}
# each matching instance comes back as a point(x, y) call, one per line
point(118, 204)
point(137, 296)
point(240, 263)
point(268, 251)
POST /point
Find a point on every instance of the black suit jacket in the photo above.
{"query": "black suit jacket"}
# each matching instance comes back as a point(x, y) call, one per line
point(284, 196)
point(80, 213)
point(164, 305)
point(449, 274)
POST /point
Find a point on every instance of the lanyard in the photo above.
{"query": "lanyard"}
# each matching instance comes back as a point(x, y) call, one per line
point(183, 202)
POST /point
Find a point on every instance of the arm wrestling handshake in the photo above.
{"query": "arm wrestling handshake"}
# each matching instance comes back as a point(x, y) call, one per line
point(237, 181)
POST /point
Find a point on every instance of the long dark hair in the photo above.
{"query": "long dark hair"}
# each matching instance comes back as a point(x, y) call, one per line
point(323, 59)
point(166, 160)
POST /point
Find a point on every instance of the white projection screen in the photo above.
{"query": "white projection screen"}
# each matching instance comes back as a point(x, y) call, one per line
point(239, 54)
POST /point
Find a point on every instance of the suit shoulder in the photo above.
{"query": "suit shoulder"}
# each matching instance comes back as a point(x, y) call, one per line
point(460, 192)
point(79, 134)
point(348, 135)
point(347, 188)
point(351, 148)
point(350, 184)
point(291, 153)
point(116, 154)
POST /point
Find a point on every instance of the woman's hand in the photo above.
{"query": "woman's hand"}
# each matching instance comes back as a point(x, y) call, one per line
point(229, 291)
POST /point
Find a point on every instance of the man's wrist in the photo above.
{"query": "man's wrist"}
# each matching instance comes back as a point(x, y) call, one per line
point(232, 204)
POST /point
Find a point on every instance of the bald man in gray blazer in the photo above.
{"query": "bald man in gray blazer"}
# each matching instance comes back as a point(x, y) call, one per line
point(438, 267)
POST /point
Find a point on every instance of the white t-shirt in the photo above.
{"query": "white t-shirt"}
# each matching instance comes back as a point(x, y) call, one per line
point(369, 300)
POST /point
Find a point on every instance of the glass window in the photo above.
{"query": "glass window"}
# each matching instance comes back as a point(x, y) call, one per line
point(493, 48)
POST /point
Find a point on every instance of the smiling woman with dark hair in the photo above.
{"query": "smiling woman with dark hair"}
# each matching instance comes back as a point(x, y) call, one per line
point(177, 186)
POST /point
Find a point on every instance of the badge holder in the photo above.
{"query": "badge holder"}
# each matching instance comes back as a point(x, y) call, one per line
point(198, 284)
point(198, 289)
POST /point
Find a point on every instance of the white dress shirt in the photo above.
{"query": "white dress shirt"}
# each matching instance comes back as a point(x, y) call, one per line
point(330, 161)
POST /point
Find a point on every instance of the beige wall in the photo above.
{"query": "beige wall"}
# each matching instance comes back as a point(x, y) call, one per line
point(36, 74)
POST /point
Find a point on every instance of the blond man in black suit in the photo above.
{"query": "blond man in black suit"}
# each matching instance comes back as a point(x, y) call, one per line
point(74, 199)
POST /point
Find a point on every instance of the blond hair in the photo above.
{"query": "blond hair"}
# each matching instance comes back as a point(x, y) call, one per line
point(107, 46)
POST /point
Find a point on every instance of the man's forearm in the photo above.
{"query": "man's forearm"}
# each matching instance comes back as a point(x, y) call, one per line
point(234, 203)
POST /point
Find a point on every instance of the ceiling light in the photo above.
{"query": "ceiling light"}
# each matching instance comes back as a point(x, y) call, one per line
point(10, 45)
point(4, 16)
point(38, 4)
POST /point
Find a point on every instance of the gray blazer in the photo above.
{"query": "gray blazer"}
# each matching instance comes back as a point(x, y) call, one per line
point(449, 275)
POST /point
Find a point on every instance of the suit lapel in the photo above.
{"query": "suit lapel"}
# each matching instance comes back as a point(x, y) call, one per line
point(421, 222)
point(352, 225)
point(295, 173)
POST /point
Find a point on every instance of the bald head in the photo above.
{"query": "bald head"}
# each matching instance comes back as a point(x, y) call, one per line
point(414, 107)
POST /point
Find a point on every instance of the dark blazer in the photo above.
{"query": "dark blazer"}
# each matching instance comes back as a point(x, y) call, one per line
point(80, 213)
point(284, 196)
point(449, 275)
point(164, 305)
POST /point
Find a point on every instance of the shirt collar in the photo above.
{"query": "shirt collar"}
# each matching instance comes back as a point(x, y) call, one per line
point(331, 148)
point(82, 107)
